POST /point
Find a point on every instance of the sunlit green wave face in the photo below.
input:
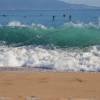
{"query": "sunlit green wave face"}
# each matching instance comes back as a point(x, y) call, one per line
point(66, 36)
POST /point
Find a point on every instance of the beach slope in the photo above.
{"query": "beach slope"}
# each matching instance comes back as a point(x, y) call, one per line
point(49, 86)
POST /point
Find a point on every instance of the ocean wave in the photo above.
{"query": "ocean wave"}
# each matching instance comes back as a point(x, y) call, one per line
point(71, 47)
point(68, 35)
point(72, 59)
point(82, 25)
point(16, 23)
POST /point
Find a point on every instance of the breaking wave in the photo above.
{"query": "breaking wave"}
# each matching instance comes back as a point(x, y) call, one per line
point(87, 59)
point(71, 47)
point(68, 35)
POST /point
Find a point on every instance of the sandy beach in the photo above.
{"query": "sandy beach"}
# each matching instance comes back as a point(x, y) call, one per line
point(49, 86)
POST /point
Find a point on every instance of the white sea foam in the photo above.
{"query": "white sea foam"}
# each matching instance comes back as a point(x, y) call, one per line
point(70, 24)
point(16, 24)
point(58, 59)
point(41, 26)
point(82, 25)
point(19, 24)
point(37, 26)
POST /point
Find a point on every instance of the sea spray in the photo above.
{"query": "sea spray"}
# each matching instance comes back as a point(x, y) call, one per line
point(87, 59)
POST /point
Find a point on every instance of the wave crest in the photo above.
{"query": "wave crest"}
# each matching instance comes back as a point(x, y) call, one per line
point(17, 23)
point(74, 35)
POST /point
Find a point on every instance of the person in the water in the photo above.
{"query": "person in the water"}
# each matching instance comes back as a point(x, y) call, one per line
point(4, 15)
point(64, 15)
point(53, 18)
point(70, 18)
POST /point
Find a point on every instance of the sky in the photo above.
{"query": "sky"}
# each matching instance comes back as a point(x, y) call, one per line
point(86, 2)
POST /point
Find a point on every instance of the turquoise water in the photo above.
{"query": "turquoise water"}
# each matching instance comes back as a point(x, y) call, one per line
point(66, 36)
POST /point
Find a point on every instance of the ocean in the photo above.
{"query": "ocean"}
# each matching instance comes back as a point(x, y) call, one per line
point(60, 40)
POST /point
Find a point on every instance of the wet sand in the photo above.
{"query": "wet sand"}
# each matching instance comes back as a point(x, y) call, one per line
point(49, 86)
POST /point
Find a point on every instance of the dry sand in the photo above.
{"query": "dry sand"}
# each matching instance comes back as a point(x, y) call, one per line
point(49, 86)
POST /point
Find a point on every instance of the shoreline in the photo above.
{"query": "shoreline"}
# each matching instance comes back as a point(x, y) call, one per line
point(50, 85)
point(41, 69)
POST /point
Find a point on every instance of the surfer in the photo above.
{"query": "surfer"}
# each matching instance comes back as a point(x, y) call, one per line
point(4, 15)
point(70, 18)
point(64, 15)
point(25, 16)
point(53, 18)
